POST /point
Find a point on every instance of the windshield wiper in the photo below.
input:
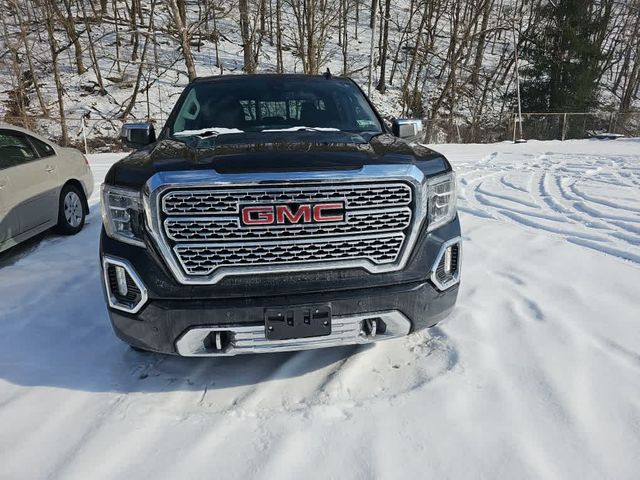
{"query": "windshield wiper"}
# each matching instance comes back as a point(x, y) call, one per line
point(207, 132)
point(302, 129)
point(195, 138)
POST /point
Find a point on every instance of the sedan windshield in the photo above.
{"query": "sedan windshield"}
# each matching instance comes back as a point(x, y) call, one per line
point(272, 103)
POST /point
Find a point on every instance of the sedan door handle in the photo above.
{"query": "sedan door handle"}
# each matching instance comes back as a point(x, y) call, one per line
point(50, 168)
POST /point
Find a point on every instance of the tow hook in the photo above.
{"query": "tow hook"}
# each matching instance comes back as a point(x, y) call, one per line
point(370, 327)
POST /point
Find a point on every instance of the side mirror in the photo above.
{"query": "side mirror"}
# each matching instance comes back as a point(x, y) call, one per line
point(137, 135)
point(407, 128)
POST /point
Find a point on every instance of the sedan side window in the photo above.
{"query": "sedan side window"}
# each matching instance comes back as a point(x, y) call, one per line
point(14, 150)
point(44, 150)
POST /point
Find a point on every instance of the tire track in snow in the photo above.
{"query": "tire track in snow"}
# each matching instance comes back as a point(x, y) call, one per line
point(559, 201)
point(509, 184)
point(487, 193)
point(606, 203)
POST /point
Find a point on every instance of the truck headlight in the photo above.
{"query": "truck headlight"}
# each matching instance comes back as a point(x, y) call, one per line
point(441, 200)
point(122, 214)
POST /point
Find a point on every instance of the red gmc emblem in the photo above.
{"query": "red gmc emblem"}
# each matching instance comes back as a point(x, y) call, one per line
point(289, 214)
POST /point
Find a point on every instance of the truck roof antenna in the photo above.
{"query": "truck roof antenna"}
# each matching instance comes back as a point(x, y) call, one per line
point(327, 74)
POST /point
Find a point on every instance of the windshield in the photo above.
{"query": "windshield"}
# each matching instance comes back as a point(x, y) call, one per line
point(272, 103)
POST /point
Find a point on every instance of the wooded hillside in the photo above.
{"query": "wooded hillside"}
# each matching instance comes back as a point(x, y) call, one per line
point(451, 60)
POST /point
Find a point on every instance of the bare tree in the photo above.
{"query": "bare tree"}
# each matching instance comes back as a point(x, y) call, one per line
point(449, 61)
point(279, 62)
point(381, 87)
point(313, 22)
point(50, 17)
point(92, 52)
point(67, 18)
point(247, 40)
point(24, 38)
point(141, 66)
point(178, 12)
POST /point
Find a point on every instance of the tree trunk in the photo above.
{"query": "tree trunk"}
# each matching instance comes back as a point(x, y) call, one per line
point(92, 52)
point(177, 11)
point(116, 21)
point(263, 17)
point(372, 24)
point(381, 87)
point(27, 49)
point(53, 46)
point(279, 65)
point(412, 65)
point(345, 35)
point(135, 38)
point(68, 22)
point(216, 40)
point(357, 7)
point(247, 42)
point(136, 88)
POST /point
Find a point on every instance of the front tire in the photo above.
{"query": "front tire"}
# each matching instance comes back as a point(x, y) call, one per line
point(71, 211)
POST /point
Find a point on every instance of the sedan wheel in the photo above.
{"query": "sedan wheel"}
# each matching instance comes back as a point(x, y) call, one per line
point(72, 211)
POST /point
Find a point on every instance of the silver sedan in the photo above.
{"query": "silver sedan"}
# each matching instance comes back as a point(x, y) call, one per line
point(42, 185)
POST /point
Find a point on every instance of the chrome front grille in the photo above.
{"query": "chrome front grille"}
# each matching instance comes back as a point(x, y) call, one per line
point(197, 220)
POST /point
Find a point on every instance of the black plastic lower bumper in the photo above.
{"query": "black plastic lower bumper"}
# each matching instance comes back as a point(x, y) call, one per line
point(161, 322)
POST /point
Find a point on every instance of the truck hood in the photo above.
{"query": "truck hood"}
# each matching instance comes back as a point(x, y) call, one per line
point(272, 152)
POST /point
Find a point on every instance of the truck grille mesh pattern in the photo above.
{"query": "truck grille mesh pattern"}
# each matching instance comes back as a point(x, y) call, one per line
point(225, 228)
point(198, 202)
point(203, 259)
point(203, 228)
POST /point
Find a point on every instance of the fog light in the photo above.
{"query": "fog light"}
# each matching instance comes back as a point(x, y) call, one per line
point(445, 271)
point(447, 260)
point(125, 289)
point(121, 278)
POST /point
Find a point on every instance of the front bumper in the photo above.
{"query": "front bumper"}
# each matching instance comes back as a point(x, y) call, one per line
point(228, 318)
point(184, 327)
point(345, 330)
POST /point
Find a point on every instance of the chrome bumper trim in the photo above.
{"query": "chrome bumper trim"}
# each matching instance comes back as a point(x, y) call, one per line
point(345, 330)
point(456, 276)
point(111, 298)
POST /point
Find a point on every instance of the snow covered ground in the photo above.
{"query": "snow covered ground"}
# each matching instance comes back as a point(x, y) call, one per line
point(535, 375)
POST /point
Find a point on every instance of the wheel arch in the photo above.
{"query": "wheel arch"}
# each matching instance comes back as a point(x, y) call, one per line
point(78, 184)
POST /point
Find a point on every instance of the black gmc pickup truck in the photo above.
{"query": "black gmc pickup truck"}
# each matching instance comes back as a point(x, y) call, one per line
point(277, 213)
